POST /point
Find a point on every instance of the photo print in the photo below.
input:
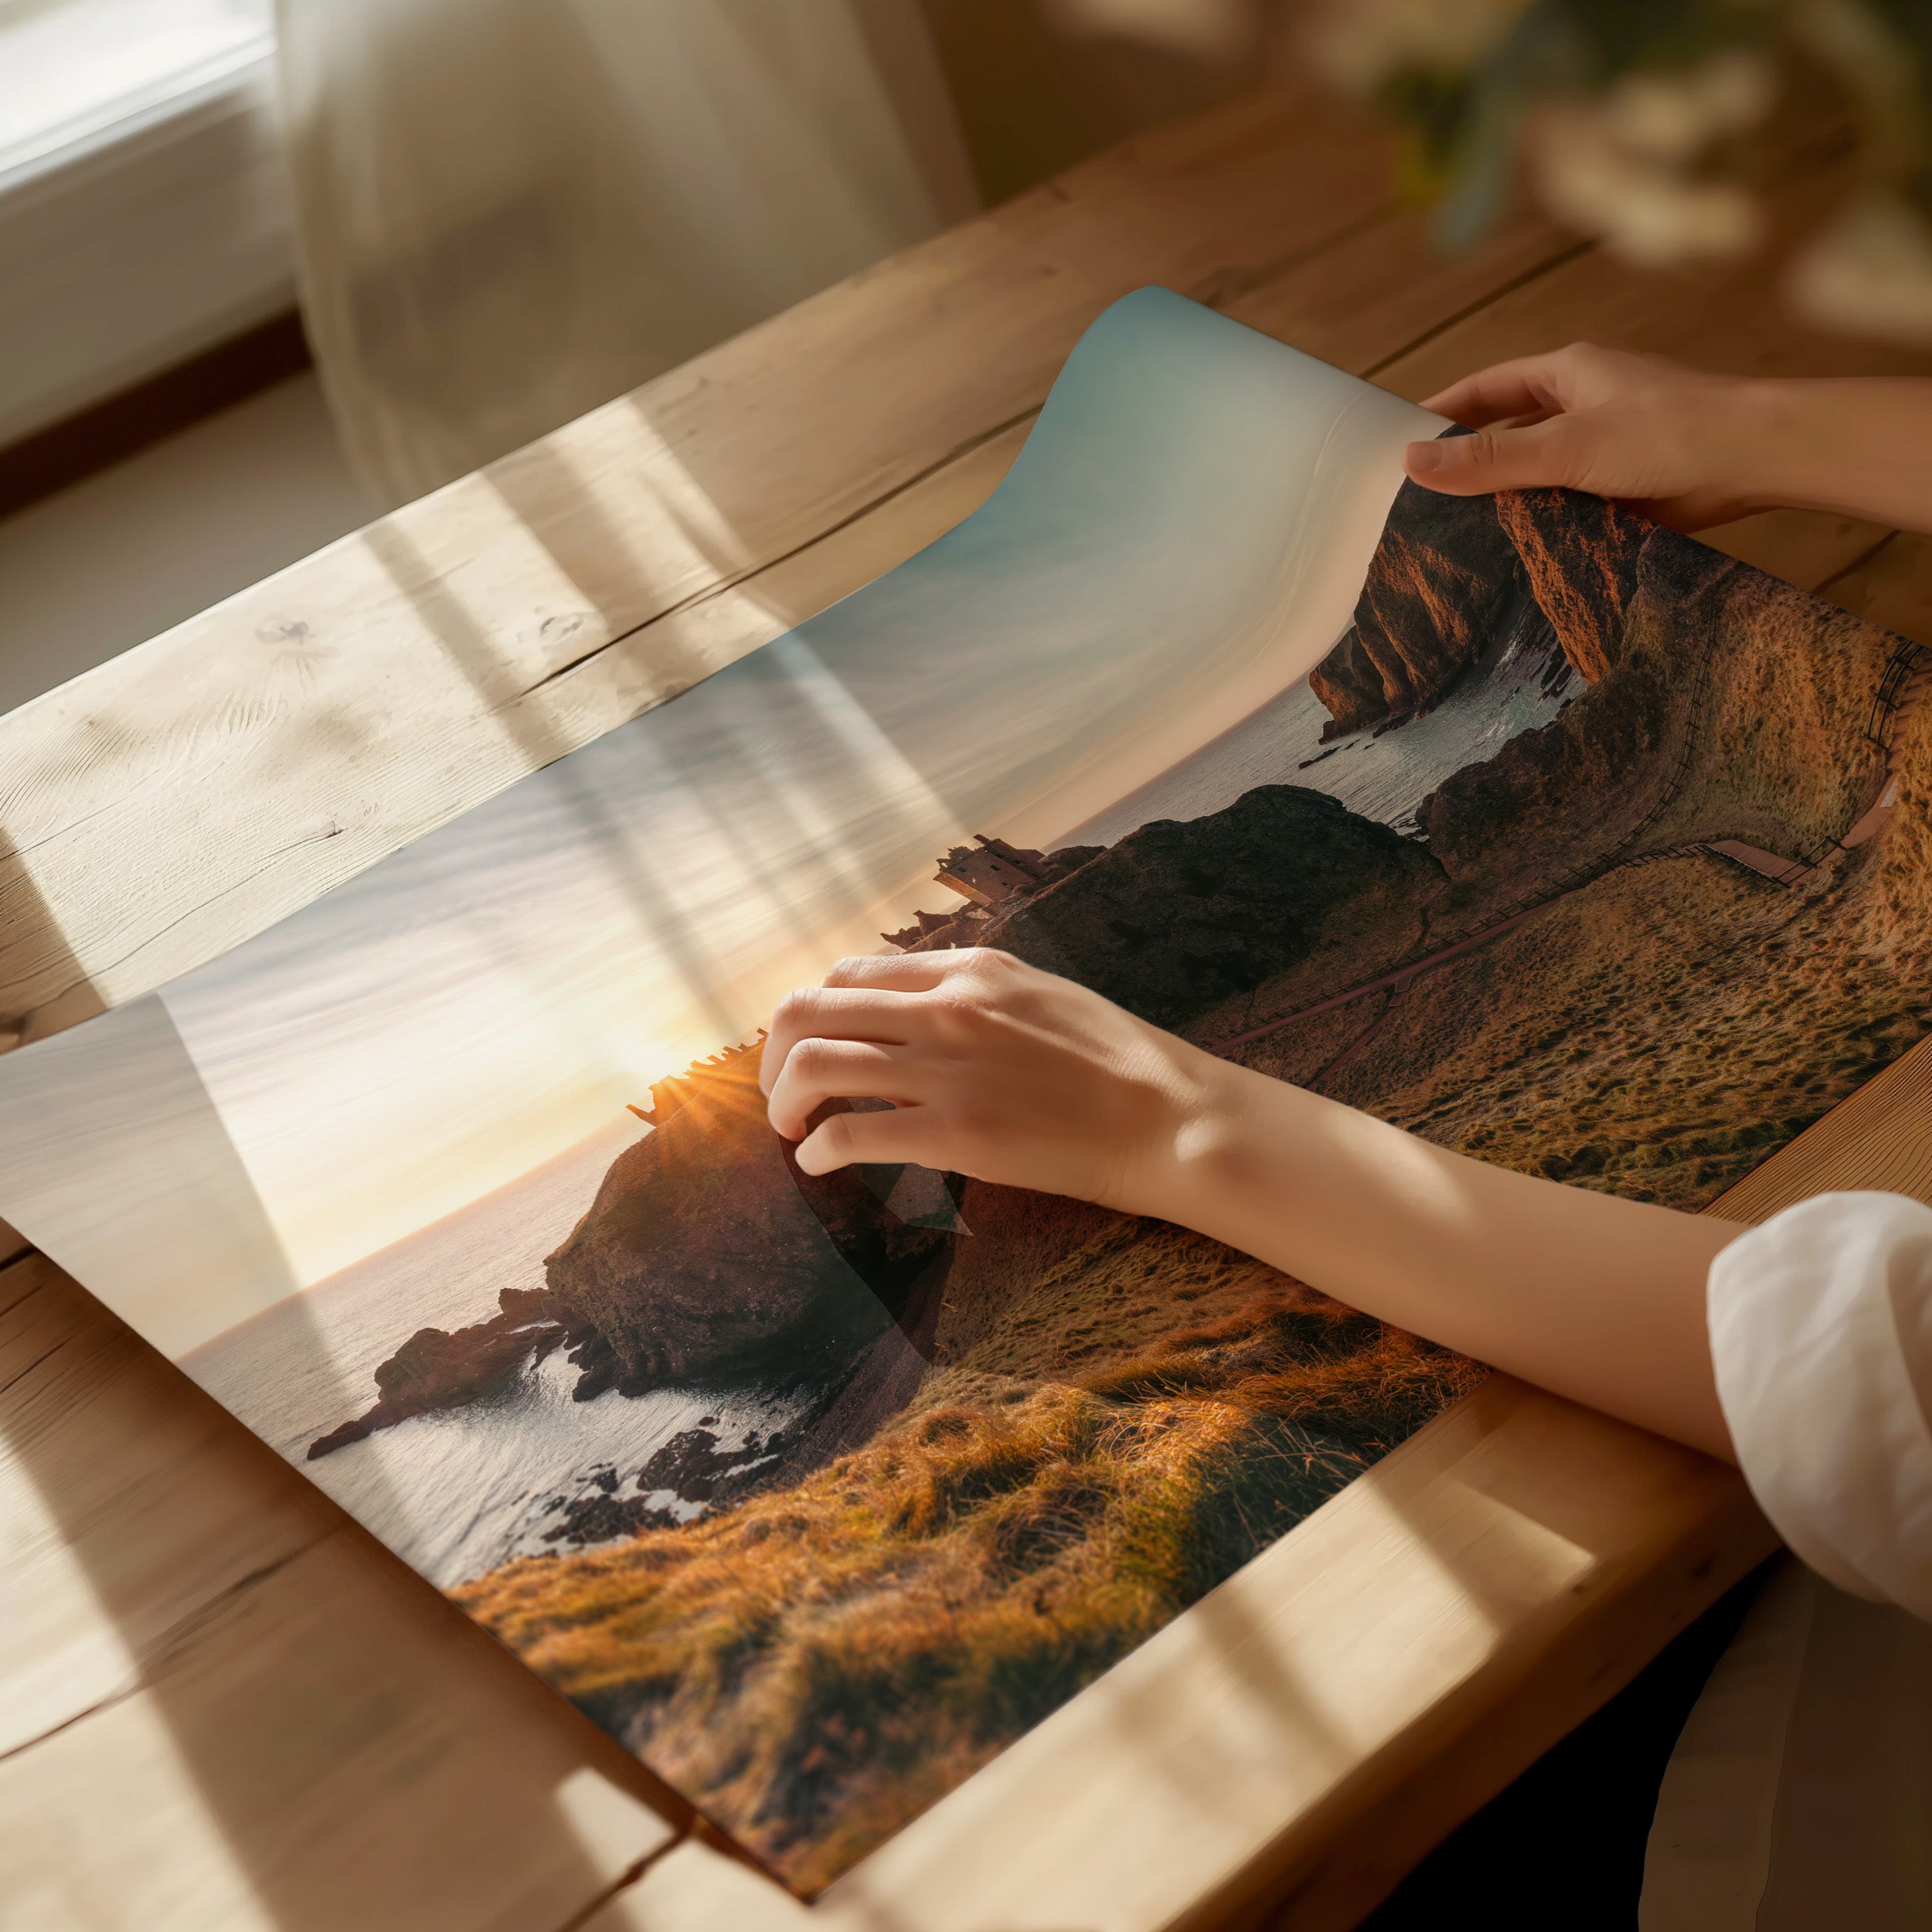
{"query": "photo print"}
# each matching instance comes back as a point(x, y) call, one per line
point(1559, 839)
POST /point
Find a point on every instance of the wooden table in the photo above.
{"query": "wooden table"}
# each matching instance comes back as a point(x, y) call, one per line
point(222, 1705)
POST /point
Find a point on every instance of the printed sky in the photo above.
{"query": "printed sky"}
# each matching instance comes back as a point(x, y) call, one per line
point(1182, 536)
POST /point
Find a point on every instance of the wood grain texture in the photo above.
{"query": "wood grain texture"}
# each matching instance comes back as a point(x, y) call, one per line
point(225, 1705)
point(1314, 1724)
point(222, 1705)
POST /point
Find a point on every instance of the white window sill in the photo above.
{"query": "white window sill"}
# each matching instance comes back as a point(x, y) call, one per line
point(143, 211)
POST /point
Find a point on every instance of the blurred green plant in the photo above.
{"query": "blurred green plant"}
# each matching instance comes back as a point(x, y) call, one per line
point(1643, 123)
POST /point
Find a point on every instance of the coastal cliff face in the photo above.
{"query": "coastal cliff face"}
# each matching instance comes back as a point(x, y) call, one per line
point(1567, 795)
point(1443, 577)
point(1442, 573)
point(1579, 553)
point(706, 1257)
point(1178, 915)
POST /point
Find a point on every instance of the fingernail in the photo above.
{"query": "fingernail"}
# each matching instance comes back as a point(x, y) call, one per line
point(1424, 459)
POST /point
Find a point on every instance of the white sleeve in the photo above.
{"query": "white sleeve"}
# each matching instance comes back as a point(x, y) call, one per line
point(1821, 1329)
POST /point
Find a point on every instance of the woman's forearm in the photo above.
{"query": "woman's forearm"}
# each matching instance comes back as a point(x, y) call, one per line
point(1687, 446)
point(998, 1070)
point(1856, 445)
point(1599, 1299)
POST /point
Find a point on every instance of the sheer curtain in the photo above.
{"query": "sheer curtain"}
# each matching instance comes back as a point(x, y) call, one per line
point(509, 211)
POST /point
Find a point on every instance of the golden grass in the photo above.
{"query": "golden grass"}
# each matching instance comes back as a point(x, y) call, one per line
point(1662, 1032)
point(1667, 1030)
point(816, 1666)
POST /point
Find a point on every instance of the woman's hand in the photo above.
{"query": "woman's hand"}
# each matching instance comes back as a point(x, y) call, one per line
point(1672, 442)
point(1685, 446)
point(995, 1070)
point(1000, 1071)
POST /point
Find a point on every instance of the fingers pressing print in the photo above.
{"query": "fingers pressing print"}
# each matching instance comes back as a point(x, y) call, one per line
point(868, 997)
point(898, 972)
point(832, 1012)
point(817, 1070)
point(1551, 451)
point(889, 1000)
point(992, 1068)
point(900, 1134)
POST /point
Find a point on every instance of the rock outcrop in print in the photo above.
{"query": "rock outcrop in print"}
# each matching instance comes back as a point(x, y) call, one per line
point(1444, 579)
point(1579, 554)
point(1440, 579)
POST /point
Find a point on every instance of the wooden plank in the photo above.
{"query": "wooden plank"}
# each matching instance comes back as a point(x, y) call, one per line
point(227, 1706)
point(261, 753)
point(1314, 1724)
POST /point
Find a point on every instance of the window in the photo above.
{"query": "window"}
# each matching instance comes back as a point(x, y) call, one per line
point(143, 214)
point(73, 73)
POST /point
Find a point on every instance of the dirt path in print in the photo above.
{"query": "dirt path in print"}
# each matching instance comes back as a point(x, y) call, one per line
point(1905, 687)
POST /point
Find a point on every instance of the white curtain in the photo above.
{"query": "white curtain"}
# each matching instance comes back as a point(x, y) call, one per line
point(509, 211)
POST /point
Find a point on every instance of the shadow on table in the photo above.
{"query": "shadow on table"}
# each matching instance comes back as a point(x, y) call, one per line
point(367, 1754)
point(133, 1185)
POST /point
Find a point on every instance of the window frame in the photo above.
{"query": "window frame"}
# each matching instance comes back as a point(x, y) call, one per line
point(143, 241)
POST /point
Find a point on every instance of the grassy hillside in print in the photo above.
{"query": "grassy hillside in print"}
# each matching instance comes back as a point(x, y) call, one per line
point(821, 1663)
point(1672, 1010)
point(1636, 949)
